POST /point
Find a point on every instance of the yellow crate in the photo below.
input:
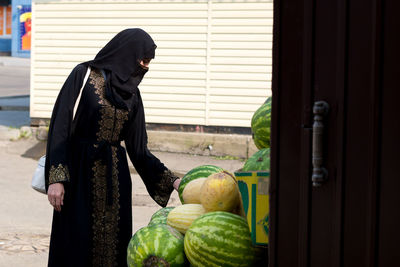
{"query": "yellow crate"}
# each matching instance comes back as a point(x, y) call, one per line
point(254, 189)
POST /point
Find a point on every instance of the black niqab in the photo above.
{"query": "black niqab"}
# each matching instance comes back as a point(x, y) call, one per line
point(120, 59)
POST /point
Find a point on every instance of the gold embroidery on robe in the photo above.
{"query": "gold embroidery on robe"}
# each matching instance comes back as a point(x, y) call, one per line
point(58, 174)
point(164, 187)
point(97, 80)
point(112, 119)
point(105, 217)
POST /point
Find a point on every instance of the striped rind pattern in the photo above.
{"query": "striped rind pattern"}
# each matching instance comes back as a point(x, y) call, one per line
point(219, 239)
point(158, 240)
point(261, 125)
point(160, 216)
point(197, 172)
point(183, 216)
point(252, 164)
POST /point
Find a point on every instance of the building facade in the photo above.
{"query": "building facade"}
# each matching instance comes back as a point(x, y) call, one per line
point(212, 66)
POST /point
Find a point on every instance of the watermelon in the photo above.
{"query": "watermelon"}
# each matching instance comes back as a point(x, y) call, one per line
point(219, 238)
point(261, 125)
point(259, 161)
point(202, 171)
point(160, 216)
point(156, 245)
point(260, 142)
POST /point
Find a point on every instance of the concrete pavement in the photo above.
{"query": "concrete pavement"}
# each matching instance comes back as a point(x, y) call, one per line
point(14, 93)
point(14, 76)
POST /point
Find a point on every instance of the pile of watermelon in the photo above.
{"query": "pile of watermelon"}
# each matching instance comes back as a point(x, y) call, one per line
point(261, 132)
point(208, 229)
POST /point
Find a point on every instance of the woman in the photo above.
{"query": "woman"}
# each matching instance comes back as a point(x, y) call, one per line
point(87, 173)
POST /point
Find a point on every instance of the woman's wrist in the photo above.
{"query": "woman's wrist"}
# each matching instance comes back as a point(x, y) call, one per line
point(176, 183)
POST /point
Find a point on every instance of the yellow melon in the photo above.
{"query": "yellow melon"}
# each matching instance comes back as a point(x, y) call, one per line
point(191, 192)
point(220, 192)
point(182, 216)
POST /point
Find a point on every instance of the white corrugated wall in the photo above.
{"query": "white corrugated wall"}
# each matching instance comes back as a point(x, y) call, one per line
point(213, 62)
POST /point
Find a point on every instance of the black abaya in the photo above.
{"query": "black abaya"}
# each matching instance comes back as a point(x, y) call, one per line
point(95, 223)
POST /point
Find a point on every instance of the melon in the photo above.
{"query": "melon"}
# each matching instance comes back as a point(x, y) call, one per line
point(182, 217)
point(261, 125)
point(219, 239)
point(260, 143)
point(160, 216)
point(220, 192)
point(156, 245)
point(195, 173)
point(191, 193)
point(259, 161)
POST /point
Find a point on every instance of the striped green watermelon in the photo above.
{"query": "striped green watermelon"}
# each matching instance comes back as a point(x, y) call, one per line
point(261, 125)
point(160, 216)
point(156, 245)
point(259, 161)
point(260, 142)
point(197, 172)
point(219, 238)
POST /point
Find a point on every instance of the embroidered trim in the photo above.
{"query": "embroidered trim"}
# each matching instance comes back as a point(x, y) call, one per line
point(105, 217)
point(112, 119)
point(121, 118)
point(106, 124)
point(58, 174)
point(164, 187)
point(97, 80)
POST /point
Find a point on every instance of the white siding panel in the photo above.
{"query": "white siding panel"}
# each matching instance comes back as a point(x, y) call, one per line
point(120, 5)
point(175, 112)
point(174, 90)
point(175, 120)
point(173, 97)
point(225, 37)
point(241, 76)
point(247, 100)
point(161, 105)
point(238, 92)
point(107, 28)
point(46, 93)
point(240, 60)
point(213, 62)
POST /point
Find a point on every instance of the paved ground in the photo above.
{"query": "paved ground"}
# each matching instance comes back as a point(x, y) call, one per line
point(14, 91)
point(14, 76)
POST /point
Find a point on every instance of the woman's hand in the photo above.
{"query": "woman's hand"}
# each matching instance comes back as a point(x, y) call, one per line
point(176, 184)
point(55, 194)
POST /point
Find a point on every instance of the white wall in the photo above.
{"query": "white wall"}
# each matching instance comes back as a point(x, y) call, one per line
point(213, 62)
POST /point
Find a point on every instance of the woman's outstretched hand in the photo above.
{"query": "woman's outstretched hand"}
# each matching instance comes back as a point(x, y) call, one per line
point(55, 194)
point(176, 184)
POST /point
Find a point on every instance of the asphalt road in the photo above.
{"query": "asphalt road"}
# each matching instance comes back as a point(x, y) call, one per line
point(14, 92)
point(14, 80)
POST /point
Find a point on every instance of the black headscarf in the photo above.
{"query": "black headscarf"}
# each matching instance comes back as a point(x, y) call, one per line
point(120, 59)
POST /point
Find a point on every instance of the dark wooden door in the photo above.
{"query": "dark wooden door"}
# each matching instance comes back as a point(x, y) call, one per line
point(346, 53)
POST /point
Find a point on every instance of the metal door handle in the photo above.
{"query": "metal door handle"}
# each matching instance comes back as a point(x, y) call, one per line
point(319, 173)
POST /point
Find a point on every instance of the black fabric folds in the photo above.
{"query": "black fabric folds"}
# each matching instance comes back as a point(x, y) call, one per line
point(120, 59)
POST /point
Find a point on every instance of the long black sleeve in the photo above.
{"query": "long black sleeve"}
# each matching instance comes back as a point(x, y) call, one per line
point(56, 169)
point(156, 177)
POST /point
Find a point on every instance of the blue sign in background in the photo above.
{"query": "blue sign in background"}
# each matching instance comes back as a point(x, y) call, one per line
point(17, 7)
point(22, 30)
